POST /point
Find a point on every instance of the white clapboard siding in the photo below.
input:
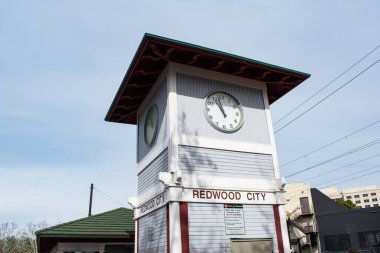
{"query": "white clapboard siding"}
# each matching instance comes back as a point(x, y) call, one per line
point(207, 228)
point(156, 243)
point(191, 92)
point(215, 162)
point(148, 177)
point(160, 100)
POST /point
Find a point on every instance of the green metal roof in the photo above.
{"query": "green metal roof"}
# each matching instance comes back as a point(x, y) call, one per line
point(117, 223)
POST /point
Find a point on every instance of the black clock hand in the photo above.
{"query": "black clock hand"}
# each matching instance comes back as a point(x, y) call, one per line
point(221, 107)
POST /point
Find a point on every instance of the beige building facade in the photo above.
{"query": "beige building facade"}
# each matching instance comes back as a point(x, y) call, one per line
point(301, 220)
point(363, 197)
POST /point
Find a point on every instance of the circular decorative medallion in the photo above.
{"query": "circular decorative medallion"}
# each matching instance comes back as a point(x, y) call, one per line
point(151, 125)
point(223, 111)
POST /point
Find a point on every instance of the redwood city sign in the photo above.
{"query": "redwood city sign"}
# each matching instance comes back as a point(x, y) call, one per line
point(238, 197)
point(231, 195)
point(211, 195)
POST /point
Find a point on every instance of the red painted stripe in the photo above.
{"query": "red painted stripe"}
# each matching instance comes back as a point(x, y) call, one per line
point(167, 229)
point(278, 229)
point(138, 235)
point(184, 219)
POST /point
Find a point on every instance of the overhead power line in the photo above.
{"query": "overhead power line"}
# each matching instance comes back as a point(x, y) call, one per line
point(329, 95)
point(109, 196)
point(327, 85)
point(377, 141)
point(377, 171)
point(331, 143)
point(340, 168)
point(335, 179)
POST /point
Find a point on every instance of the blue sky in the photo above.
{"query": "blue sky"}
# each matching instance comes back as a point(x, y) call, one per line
point(61, 63)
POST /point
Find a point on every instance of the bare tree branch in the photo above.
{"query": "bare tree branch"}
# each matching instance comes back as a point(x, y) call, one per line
point(19, 240)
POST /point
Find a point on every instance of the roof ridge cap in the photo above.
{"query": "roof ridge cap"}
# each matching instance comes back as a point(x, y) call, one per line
point(77, 220)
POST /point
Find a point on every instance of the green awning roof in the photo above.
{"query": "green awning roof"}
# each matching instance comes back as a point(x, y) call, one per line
point(116, 223)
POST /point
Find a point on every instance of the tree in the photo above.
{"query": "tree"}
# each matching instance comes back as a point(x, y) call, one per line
point(346, 203)
point(8, 235)
point(19, 240)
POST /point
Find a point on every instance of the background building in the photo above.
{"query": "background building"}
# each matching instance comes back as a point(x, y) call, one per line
point(333, 193)
point(355, 229)
point(363, 197)
point(330, 226)
point(301, 220)
point(108, 232)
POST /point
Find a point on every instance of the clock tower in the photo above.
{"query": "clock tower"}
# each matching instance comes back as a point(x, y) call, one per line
point(208, 175)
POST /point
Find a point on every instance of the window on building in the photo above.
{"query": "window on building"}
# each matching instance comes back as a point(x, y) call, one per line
point(356, 196)
point(373, 194)
point(305, 207)
point(374, 200)
point(365, 195)
point(366, 201)
point(348, 197)
point(375, 204)
point(337, 242)
point(118, 248)
point(366, 206)
point(369, 240)
point(357, 202)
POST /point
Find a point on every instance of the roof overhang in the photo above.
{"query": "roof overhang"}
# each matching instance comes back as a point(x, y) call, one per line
point(46, 244)
point(154, 53)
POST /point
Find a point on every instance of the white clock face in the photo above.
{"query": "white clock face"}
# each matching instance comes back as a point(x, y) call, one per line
point(223, 112)
point(151, 125)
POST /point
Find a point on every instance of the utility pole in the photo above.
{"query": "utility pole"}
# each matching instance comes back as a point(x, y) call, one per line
point(90, 207)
